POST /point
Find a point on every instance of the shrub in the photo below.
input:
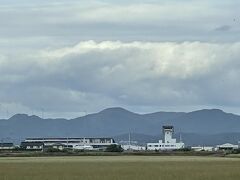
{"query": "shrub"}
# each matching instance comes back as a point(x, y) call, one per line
point(236, 151)
point(52, 150)
point(184, 149)
point(114, 148)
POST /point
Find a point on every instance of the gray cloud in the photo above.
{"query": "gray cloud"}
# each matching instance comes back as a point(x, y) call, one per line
point(223, 28)
point(101, 20)
point(145, 55)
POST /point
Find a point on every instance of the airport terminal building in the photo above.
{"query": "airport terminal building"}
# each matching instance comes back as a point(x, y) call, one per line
point(61, 143)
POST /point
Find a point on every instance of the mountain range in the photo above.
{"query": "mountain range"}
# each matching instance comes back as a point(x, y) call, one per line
point(207, 126)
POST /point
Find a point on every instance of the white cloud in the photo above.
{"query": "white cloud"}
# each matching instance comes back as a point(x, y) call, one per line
point(177, 60)
point(112, 73)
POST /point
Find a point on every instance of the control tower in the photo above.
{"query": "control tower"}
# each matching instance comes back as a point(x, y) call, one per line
point(168, 134)
point(168, 142)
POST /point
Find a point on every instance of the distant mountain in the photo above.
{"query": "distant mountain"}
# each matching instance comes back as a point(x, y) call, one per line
point(207, 121)
point(210, 139)
point(116, 121)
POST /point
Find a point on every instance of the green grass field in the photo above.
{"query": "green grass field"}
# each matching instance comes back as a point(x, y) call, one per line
point(120, 168)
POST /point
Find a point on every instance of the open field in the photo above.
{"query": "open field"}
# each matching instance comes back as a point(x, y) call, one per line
point(119, 168)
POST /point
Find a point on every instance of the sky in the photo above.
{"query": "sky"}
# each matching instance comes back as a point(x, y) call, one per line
point(68, 58)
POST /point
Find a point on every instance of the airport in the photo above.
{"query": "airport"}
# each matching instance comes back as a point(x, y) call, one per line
point(169, 143)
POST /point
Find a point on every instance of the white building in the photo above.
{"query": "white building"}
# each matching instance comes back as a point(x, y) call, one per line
point(203, 148)
point(227, 146)
point(168, 143)
point(133, 147)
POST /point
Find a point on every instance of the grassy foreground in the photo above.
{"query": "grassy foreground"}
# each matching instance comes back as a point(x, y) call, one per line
point(120, 168)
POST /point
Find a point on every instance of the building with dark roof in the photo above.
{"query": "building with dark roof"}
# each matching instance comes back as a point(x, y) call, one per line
point(6, 146)
point(32, 145)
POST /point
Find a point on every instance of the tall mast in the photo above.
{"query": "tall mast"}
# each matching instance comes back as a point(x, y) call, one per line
point(129, 139)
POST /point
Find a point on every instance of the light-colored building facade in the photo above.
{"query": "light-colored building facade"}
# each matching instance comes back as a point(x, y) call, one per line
point(203, 148)
point(133, 148)
point(227, 146)
point(168, 143)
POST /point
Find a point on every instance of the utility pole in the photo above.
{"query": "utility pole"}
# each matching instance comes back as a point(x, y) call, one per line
point(67, 142)
point(129, 141)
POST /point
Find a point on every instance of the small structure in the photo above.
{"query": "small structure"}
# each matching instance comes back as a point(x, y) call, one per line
point(32, 145)
point(226, 146)
point(6, 146)
point(131, 145)
point(203, 148)
point(168, 143)
point(83, 147)
point(127, 147)
point(56, 146)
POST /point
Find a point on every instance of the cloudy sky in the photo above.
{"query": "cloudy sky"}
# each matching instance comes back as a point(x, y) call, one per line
point(68, 57)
